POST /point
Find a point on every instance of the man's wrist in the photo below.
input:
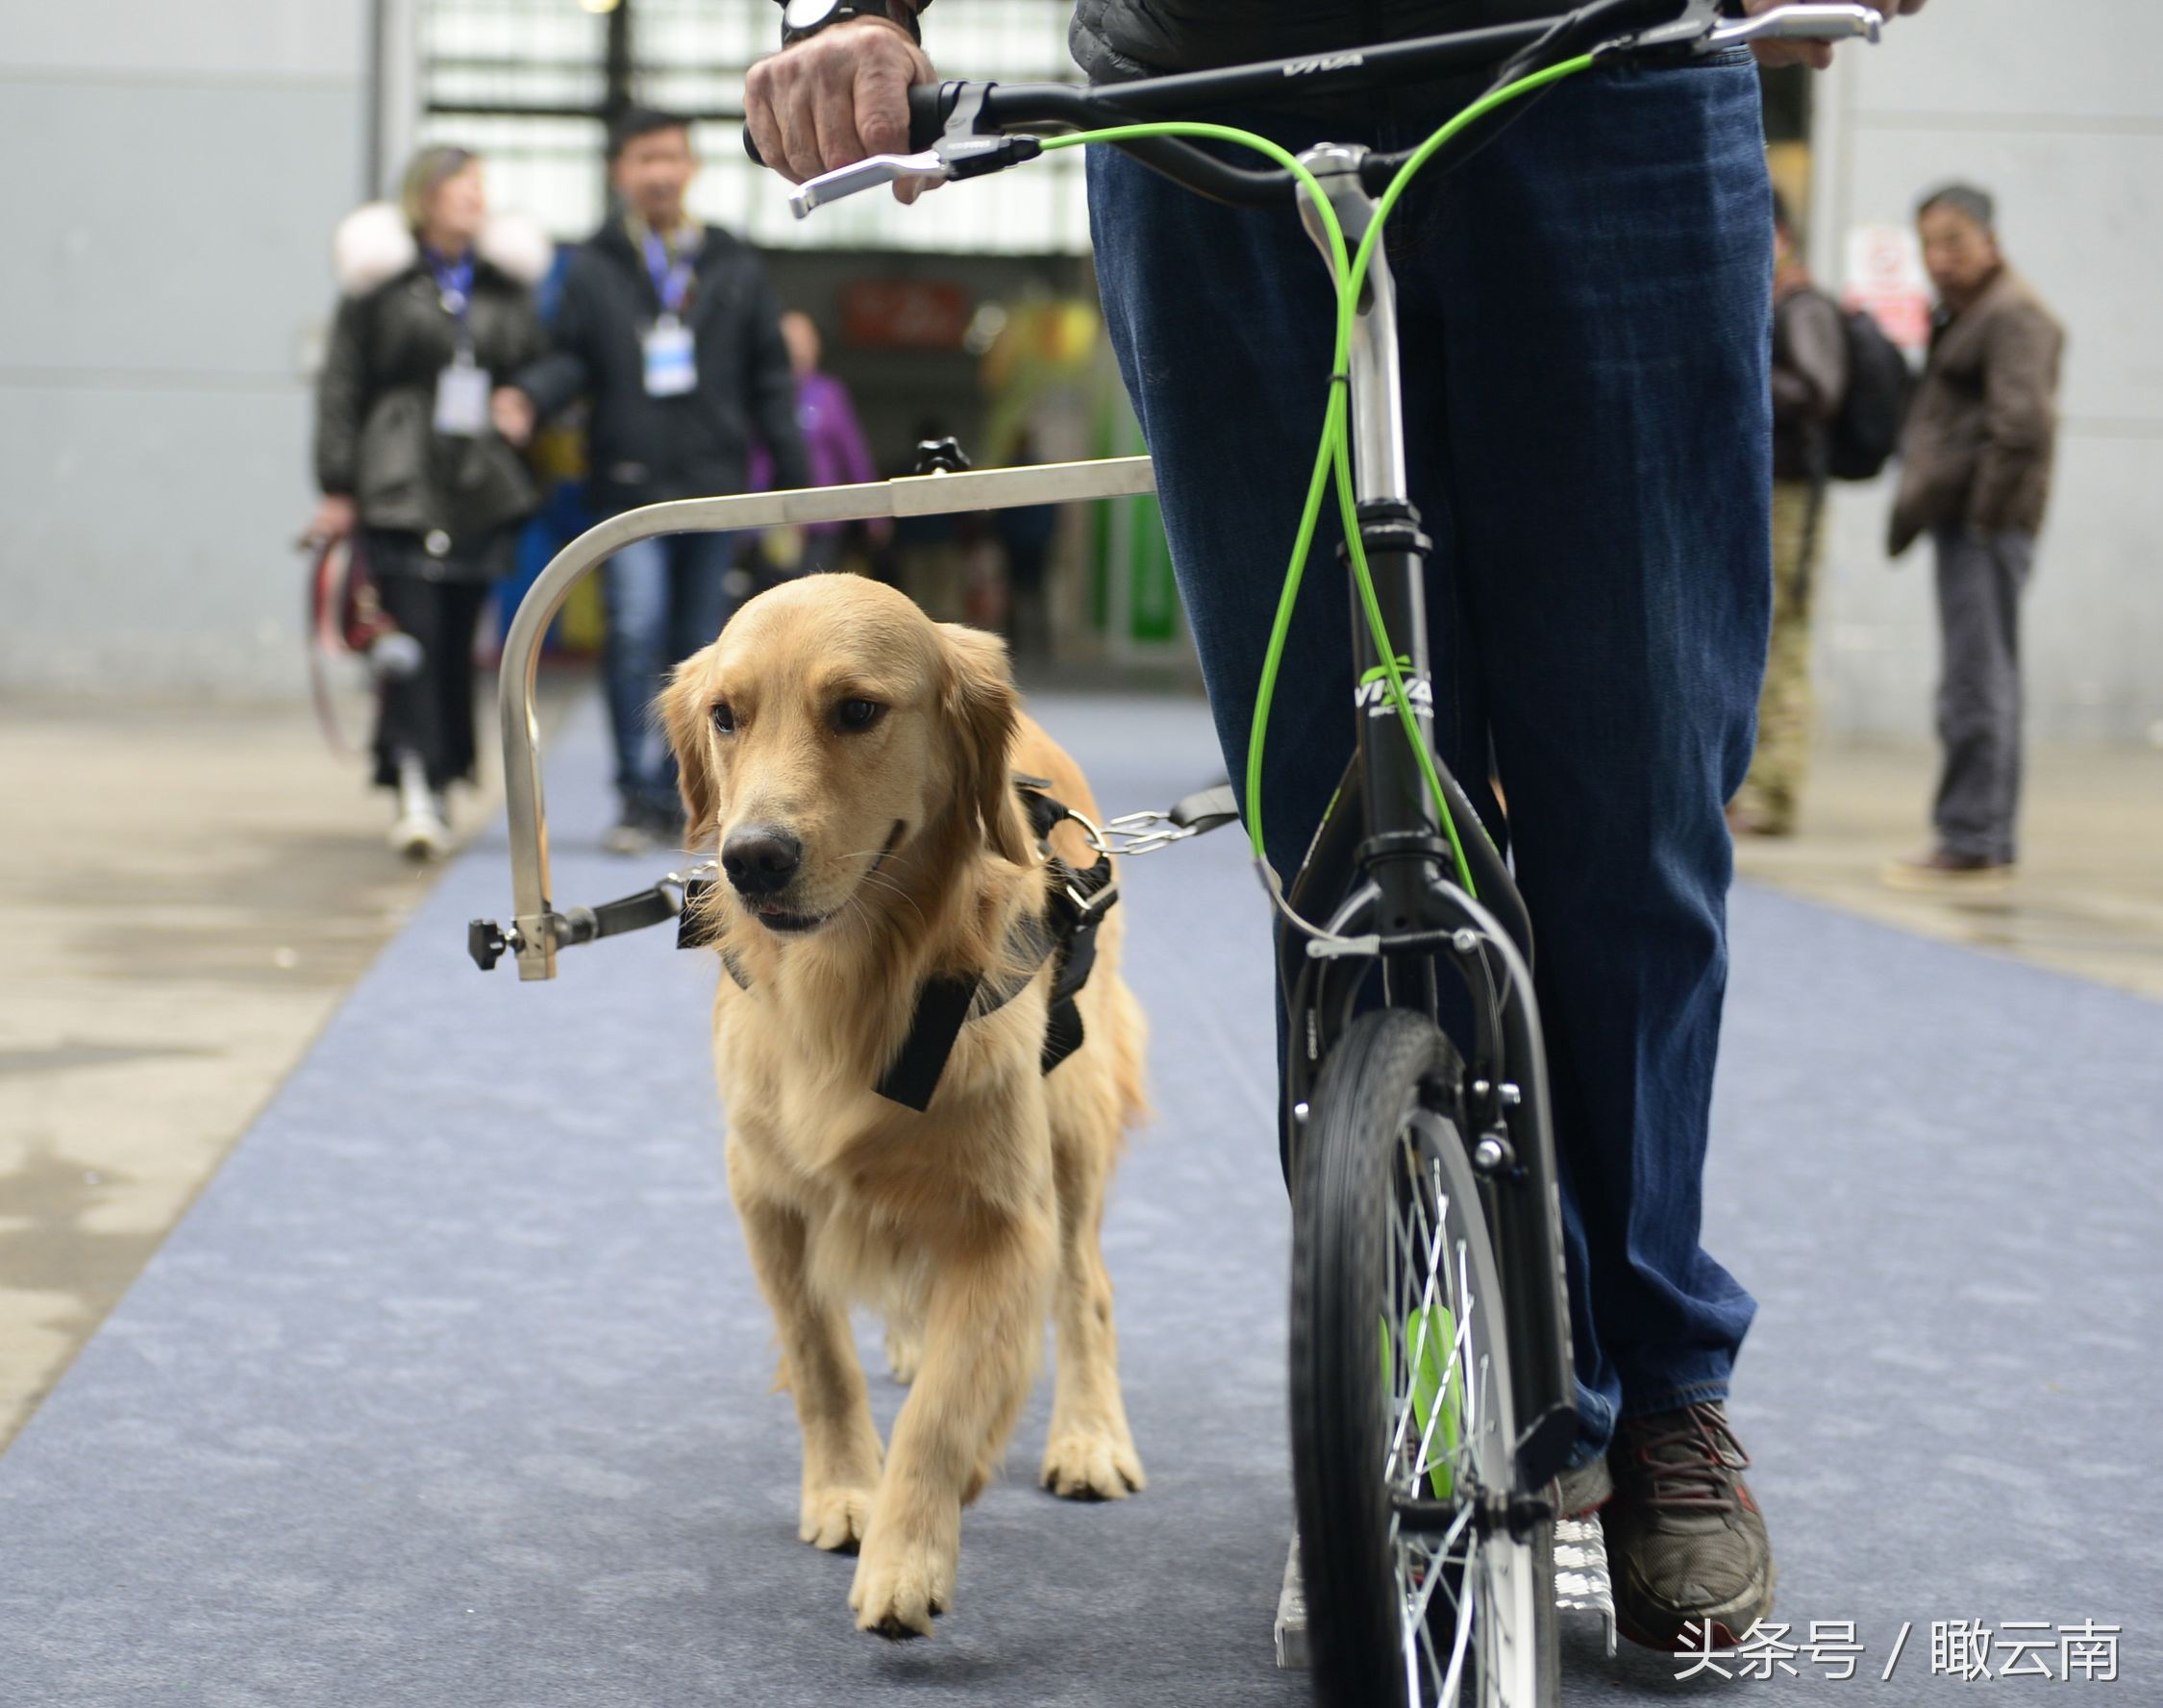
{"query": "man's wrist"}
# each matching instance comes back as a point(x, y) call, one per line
point(802, 19)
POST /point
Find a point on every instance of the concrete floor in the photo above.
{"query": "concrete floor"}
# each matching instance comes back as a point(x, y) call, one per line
point(2089, 897)
point(188, 892)
point(204, 884)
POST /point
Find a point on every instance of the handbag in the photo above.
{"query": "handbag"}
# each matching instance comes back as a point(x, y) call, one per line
point(346, 620)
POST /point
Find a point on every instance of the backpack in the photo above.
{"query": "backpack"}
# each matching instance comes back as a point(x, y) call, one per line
point(1864, 434)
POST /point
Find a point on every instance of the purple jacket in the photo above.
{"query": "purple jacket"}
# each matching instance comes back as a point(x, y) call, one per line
point(834, 442)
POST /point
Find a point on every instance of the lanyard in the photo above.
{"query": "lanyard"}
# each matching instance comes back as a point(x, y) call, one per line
point(454, 286)
point(671, 276)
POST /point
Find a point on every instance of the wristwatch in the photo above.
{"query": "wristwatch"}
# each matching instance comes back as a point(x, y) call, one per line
point(808, 18)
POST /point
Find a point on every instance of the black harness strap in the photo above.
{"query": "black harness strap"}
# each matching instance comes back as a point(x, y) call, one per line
point(1065, 933)
point(942, 1006)
point(697, 929)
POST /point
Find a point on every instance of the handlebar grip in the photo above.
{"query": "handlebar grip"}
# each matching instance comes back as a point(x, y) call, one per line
point(928, 104)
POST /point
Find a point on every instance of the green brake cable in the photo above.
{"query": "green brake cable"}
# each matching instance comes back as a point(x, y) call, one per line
point(1333, 457)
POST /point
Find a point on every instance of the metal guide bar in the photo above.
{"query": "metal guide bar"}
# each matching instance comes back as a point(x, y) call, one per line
point(534, 931)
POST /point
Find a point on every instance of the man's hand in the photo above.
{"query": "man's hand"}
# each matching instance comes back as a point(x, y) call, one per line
point(836, 99)
point(513, 412)
point(1817, 55)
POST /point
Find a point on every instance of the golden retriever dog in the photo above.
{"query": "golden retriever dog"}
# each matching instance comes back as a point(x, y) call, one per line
point(853, 761)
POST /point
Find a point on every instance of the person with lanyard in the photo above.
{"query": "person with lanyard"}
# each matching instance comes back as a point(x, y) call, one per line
point(672, 331)
point(413, 459)
point(1586, 313)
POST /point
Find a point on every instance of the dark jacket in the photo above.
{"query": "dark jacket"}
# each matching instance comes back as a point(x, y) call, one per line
point(646, 450)
point(1982, 433)
point(375, 399)
point(1809, 380)
point(1116, 39)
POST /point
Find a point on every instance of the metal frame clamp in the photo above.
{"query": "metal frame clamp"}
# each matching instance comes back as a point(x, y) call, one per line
point(538, 927)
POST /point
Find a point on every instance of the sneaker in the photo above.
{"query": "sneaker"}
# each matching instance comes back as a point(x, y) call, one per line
point(1685, 1541)
point(421, 830)
point(419, 833)
point(631, 834)
point(1940, 871)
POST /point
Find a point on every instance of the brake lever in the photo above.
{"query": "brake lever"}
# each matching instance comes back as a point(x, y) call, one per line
point(864, 174)
point(1806, 20)
point(968, 146)
point(1701, 30)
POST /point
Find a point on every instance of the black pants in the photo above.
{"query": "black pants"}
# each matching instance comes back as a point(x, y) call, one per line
point(428, 712)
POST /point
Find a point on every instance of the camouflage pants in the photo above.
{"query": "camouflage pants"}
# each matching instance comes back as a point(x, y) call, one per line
point(1774, 789)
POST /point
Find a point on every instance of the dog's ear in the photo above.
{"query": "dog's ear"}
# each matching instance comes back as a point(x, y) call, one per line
point(686, 717)
point(979, 704)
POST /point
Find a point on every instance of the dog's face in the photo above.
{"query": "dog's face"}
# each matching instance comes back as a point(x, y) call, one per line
point(830, 729)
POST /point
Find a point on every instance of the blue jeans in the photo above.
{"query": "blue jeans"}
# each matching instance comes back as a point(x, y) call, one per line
point(665, 599)
point(1585, 309)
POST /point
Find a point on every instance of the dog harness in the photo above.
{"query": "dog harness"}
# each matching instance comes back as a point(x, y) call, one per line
point(1064, 934)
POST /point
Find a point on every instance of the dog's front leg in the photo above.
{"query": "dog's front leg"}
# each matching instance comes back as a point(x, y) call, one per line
point(982, 1330)
point(1090, 1454)
point(820, 1362)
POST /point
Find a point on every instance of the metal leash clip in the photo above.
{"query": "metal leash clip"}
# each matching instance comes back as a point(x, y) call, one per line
point(681, 881)
point(1092, 832)
point(1145, 832)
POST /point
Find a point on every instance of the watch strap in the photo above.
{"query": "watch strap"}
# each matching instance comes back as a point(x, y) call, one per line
point(894, 12)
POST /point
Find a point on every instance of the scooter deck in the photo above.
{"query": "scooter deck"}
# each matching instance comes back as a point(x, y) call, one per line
point(1582, 1587)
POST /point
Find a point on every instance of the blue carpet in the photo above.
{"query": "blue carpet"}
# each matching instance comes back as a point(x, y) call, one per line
point(453, 1387)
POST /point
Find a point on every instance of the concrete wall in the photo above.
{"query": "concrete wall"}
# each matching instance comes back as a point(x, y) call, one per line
point(173, 175)
point(2058, 108)
point(174, 171)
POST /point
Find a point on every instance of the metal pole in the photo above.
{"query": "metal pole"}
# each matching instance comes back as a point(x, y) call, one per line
point(618, 65)
point(917, 495)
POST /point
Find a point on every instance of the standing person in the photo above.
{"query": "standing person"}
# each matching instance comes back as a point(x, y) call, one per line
point(1025, 533)
point(1977, 478)
point(1809, 380)
point(834, 445)
point(1587, 293)
point(672, 329)
point(414, 451)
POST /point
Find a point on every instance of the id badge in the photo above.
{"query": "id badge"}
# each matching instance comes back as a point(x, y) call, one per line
point(461, 400)
point(671, 367)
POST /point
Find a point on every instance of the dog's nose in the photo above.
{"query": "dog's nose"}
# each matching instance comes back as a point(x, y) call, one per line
point(760, 859)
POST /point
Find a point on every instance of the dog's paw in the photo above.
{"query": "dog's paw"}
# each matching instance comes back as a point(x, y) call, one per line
point(1092, 1465)
point(899, 1588)
point(905, 1352)
point(834, 1518)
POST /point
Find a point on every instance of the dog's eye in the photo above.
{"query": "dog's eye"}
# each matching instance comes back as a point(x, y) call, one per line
point(725, 719)
point(859, 714)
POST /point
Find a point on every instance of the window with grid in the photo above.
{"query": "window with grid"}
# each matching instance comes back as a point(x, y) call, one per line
point(526, 84)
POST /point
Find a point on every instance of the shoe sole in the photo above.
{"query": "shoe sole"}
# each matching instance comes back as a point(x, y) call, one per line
point(1726, 1623)
point(419, 843)
point(1917, 882)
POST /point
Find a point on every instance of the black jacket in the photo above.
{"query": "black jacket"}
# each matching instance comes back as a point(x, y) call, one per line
point(375, 399)
point(645, 450)
point(1116, 39)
